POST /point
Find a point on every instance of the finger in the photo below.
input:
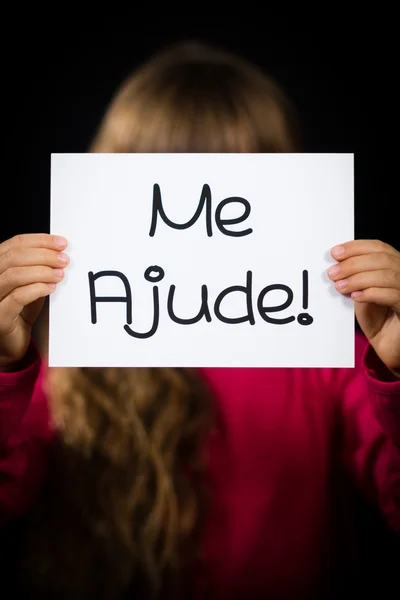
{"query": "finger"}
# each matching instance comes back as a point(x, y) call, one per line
point(34, 240)
point(365, 262)
point(16, 277)
point(357, 247)
point(13, 304)
point(25, 257)
point(375, 295)
point(377, 279)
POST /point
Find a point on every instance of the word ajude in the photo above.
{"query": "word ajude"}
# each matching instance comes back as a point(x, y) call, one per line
point(155, 274)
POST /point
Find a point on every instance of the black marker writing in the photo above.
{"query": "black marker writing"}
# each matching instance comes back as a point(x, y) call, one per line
point(247, 289)
point(222, 222)
point(156, 303)
point(94, 299)
point(305, 318)
point(155, 274)
point(203, 312)
point(205, 200)
point(263, 310)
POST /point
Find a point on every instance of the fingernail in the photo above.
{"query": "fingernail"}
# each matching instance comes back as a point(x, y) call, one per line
point(60, 242)
point(356, 294)
point(334, 270)
point(338, 251)
point(59, 273)
point(341, 284)
point(51, 286)
point(63, 258)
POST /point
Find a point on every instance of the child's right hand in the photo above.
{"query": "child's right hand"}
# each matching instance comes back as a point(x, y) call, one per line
point(30, 267)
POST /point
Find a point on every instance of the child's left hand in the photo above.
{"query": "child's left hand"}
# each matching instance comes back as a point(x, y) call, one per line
point(369, 270)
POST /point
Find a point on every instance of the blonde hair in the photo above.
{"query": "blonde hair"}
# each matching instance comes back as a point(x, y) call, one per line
point(126, 499)
point(194, 98)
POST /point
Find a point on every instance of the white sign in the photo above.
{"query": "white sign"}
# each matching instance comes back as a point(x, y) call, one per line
point(201, 260)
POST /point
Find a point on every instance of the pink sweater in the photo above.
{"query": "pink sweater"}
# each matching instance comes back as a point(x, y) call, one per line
point(286, 443)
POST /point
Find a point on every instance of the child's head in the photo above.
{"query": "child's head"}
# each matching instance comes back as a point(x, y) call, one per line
point(193, 98)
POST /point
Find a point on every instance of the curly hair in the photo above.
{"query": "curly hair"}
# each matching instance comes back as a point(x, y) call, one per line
point(122, 499)
point(126, 499)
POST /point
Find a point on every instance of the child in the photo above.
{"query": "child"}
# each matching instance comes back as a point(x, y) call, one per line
point(167, 483)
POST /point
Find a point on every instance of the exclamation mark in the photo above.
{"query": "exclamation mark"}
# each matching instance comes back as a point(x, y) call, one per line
point(304, 318)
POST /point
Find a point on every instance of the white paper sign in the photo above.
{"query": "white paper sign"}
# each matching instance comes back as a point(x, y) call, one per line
point(199, 260)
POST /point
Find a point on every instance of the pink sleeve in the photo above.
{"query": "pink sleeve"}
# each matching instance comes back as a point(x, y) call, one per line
point(25, 435)
point(371, 418)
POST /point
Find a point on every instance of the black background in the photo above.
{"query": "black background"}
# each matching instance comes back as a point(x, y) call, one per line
point(57, 83)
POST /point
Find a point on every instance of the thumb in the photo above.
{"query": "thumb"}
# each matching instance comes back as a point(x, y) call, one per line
point(31, 312)
point(371, 318)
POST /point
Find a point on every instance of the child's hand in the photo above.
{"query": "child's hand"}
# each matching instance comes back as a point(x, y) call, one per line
point(30, 267)
point(369, 270)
